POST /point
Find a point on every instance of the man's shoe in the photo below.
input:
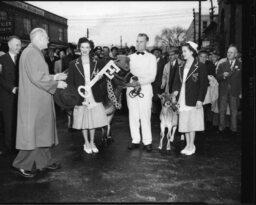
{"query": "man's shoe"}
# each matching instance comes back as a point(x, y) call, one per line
point(148, 148)
point(133, 146)
point(24, 173)
point(53, 166)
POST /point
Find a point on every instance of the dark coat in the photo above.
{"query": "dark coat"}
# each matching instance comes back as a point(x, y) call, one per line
point(76, 78)
point(172, 73)
point(8, 100)
point(196, 82)
point(211, 68)
point(51, 64)
point(66, 60)
point(234, 80)
point(158, 80)
point(9, 75)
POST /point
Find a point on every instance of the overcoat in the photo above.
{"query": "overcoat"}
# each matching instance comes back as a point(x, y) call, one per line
point(36, 123)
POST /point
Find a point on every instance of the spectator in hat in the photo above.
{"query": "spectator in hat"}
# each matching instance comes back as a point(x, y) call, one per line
point(156, 85)
point(190, 86)
point(106, 53)
point(98, 52)
point(169, 71)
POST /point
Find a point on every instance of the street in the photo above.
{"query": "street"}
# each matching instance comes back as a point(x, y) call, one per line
point(116, 174)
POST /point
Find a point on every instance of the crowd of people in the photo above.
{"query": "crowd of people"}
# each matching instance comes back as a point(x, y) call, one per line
point(206, 89)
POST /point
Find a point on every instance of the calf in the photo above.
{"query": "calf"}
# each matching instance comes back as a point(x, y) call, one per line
point(168, 117)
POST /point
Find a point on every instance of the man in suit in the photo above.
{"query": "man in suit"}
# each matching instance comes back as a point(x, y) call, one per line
point(156, 85)
point(169, 71)
point(143, 65)
point(229, 77)
point(9, 91)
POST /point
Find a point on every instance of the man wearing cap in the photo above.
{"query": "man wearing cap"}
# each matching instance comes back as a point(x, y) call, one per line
point(143, 65)
point(169, 71)
point(229, 78)
point(8, 92)
point(156, 85)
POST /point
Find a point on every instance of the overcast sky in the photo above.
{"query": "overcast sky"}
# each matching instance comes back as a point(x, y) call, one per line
point(107, 21)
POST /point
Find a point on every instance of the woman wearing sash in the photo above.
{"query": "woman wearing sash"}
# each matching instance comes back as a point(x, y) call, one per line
point(89, 112)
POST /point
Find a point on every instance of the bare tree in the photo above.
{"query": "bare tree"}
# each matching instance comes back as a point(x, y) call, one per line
point(171, 37)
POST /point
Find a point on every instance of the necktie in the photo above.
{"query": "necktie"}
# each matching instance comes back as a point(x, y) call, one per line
point(15, 59)
point(140, 53)
point(231, 62)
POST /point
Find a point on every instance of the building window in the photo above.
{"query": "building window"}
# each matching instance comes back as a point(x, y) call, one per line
point(46, 27)
point(27, 25)
point(204, 25)
point(3, 15)
point(60, 34)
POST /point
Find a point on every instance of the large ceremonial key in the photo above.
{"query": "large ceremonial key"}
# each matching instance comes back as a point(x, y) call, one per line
point(109, 69)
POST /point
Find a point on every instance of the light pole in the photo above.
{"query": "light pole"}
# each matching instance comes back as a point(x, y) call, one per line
point(199, 28)
point(194, 21)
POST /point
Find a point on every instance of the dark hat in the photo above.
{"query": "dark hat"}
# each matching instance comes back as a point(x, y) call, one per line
point(215, 53)
point(156, 49)
point(203, 51)
point(174, 50)
point(98, 48)
point(66, 98)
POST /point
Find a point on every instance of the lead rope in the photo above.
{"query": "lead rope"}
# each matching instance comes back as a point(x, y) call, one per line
point(112, 97)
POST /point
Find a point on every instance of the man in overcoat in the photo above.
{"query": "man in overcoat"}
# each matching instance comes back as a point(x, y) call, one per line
point(9, 92)
point(36, 125)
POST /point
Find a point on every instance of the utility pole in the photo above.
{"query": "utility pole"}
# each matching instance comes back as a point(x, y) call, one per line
point(194, 21)
point(199, 28)
point(121, 41)
point(87, 33)
point(211, 11)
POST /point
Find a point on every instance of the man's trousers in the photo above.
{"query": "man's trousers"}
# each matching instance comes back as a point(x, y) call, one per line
point(233, 104)
point(140, 114)
point(39, 157)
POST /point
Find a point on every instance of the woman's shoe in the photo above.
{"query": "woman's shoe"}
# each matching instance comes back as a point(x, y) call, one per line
point(190, 152)
point(184, 150)
point(94, 148)
point(88, 150)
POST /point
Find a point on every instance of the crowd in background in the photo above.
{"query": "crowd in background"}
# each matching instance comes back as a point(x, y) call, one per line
point(168, 62)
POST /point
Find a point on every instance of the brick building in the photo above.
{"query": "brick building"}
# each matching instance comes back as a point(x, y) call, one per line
point(19, 18)
point(229, 29)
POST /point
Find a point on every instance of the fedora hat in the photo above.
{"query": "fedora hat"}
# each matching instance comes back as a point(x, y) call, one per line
point(66, 98)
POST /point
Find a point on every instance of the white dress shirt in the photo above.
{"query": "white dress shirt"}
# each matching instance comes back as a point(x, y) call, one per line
point(144, 67)
point(12, 56)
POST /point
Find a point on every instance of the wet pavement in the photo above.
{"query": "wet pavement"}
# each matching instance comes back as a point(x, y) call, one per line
point(115, 174)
